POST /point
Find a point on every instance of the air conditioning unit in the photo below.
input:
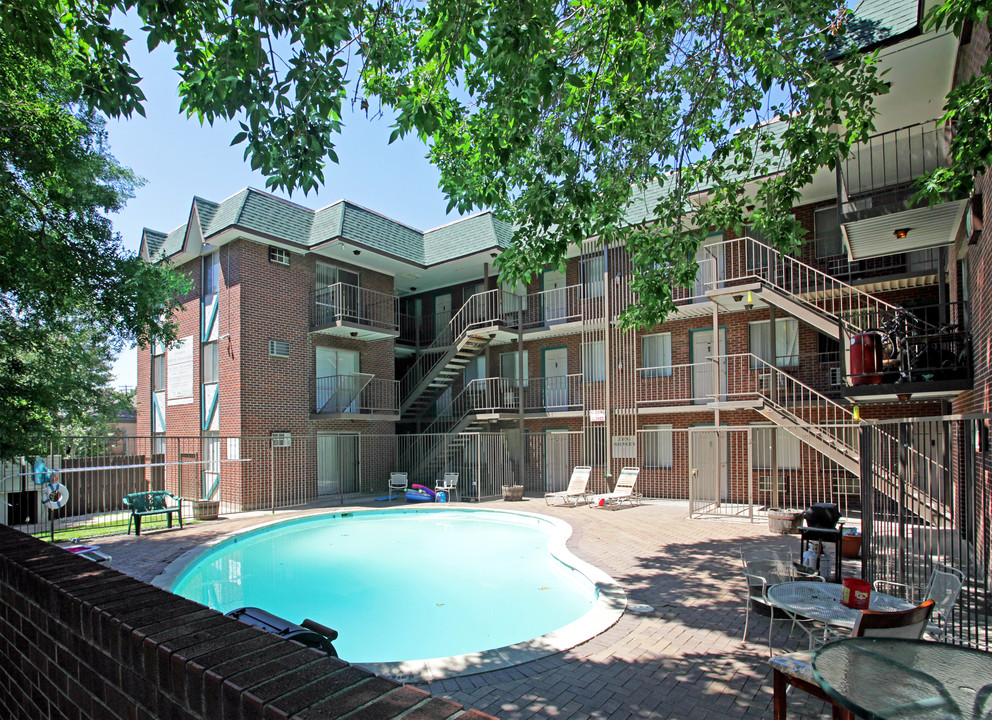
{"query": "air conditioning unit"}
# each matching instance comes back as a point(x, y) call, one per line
point(835, 376)
point(282, 439)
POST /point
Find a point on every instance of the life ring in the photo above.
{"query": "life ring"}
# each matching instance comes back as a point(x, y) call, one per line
point(54, 495)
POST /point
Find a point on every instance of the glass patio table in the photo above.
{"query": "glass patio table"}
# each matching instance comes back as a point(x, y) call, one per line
point(821, 601)
point(883, 679)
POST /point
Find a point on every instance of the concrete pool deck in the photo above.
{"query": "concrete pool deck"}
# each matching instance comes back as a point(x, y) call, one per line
point(683, 660)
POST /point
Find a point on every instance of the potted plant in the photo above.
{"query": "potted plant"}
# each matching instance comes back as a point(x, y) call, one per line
point(205, 509)
point(850, 543)
point(784, 522)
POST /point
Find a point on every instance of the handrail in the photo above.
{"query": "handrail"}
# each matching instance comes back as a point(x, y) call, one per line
point(752, 376)
point(747, 259)
point(357, 393)
point(342, 301)
point(661, 384)
point(550, 307)
point(483, 309)
point(491, 395)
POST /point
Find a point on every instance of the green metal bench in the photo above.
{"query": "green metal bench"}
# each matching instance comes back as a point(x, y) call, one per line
point(152, 502)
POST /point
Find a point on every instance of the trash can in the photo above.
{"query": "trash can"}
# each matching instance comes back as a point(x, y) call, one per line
point(866, 359)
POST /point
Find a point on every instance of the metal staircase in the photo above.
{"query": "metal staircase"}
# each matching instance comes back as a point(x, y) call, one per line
point(830, 305)
point(815, 419)
point(487, 396)
point(824, 425)
point(464, 338)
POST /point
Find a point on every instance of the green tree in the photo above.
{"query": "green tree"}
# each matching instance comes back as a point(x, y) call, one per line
point(57, 383)
point(70, 295)
point(637, 121)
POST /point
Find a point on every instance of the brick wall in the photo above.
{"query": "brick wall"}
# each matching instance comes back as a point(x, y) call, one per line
point(80, 641)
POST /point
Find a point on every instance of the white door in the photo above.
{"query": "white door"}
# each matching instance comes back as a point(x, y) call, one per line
point(710, 474)
point(556, 379)
point(556, 466)
point(553, 300)
point(338, 470)
point(336, 384)
point(442, 312)
point(703, 368)
point(712, 268)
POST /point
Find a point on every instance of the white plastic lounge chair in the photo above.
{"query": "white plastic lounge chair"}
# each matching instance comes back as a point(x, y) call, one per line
point(397, 481)
point(575, 491)
point(624, 490)
point(448, 484)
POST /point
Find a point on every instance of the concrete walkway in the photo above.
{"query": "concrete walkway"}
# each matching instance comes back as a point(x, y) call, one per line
point(684, 660)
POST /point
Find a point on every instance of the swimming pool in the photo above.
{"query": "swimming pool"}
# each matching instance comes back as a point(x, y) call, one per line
point(408, 584)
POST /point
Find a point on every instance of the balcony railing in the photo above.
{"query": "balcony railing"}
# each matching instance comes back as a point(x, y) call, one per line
point(357, 393)
point(673, 384)
point(554, 394)
point(357, 305)
point(552, 307)
point(877, 176)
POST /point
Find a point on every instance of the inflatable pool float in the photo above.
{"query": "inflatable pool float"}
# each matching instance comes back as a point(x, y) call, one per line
point(419, 493)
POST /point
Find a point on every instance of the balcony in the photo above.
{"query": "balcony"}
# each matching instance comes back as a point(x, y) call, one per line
point(358, 396)
point(875, 185)
point(350, 311)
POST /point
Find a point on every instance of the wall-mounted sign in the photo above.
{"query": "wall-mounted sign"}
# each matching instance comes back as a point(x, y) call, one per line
point(179, 387)
point(624, 446)
point(597, 416)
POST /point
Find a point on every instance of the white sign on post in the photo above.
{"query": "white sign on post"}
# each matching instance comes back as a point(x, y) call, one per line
point(180, 372)
point(597, 416)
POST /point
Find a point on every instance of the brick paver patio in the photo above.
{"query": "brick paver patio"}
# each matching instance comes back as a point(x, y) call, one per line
point(684, 660)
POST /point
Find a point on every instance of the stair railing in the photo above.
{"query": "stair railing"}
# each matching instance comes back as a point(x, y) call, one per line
point(485, 395)
point(482, 310)
point(750, 377)
point(747, 259)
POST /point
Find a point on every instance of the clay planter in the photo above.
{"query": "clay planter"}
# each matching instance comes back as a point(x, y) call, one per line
point(513, 492)
point(784, 522)
point(205, 509)
point(850, 546)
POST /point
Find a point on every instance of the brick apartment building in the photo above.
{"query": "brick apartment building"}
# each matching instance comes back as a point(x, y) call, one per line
point(357, 331)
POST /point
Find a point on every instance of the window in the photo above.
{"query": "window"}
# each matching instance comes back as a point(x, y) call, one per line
point(278, 348)
point(594, 445)
point(211, 273)
point(827, 349)
point(593, 269)
point(211, 464)
point(656, 355)
point(279, 256)
point(211, 369)
point(786, 342)
point(158, 372)
point(826, 232)
point(508, 367)
point(593, 361)
point(787, 447)
point(656, 444)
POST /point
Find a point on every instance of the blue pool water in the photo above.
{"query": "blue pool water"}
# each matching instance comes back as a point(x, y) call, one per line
point(402, 584)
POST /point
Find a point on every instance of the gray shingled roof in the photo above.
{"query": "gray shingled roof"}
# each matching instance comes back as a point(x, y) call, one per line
point(875, 22)
point(266, 214)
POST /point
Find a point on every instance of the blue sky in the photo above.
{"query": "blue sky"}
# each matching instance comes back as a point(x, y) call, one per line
point(179, 158)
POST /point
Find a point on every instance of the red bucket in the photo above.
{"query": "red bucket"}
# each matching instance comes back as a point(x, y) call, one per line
point(856, 594)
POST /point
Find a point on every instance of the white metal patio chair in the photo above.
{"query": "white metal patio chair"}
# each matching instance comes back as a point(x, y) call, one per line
point(764, 567)
point(399, 482)
point(943, 587)
point(575, 491)
point(449, 485)
point(624, 489)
